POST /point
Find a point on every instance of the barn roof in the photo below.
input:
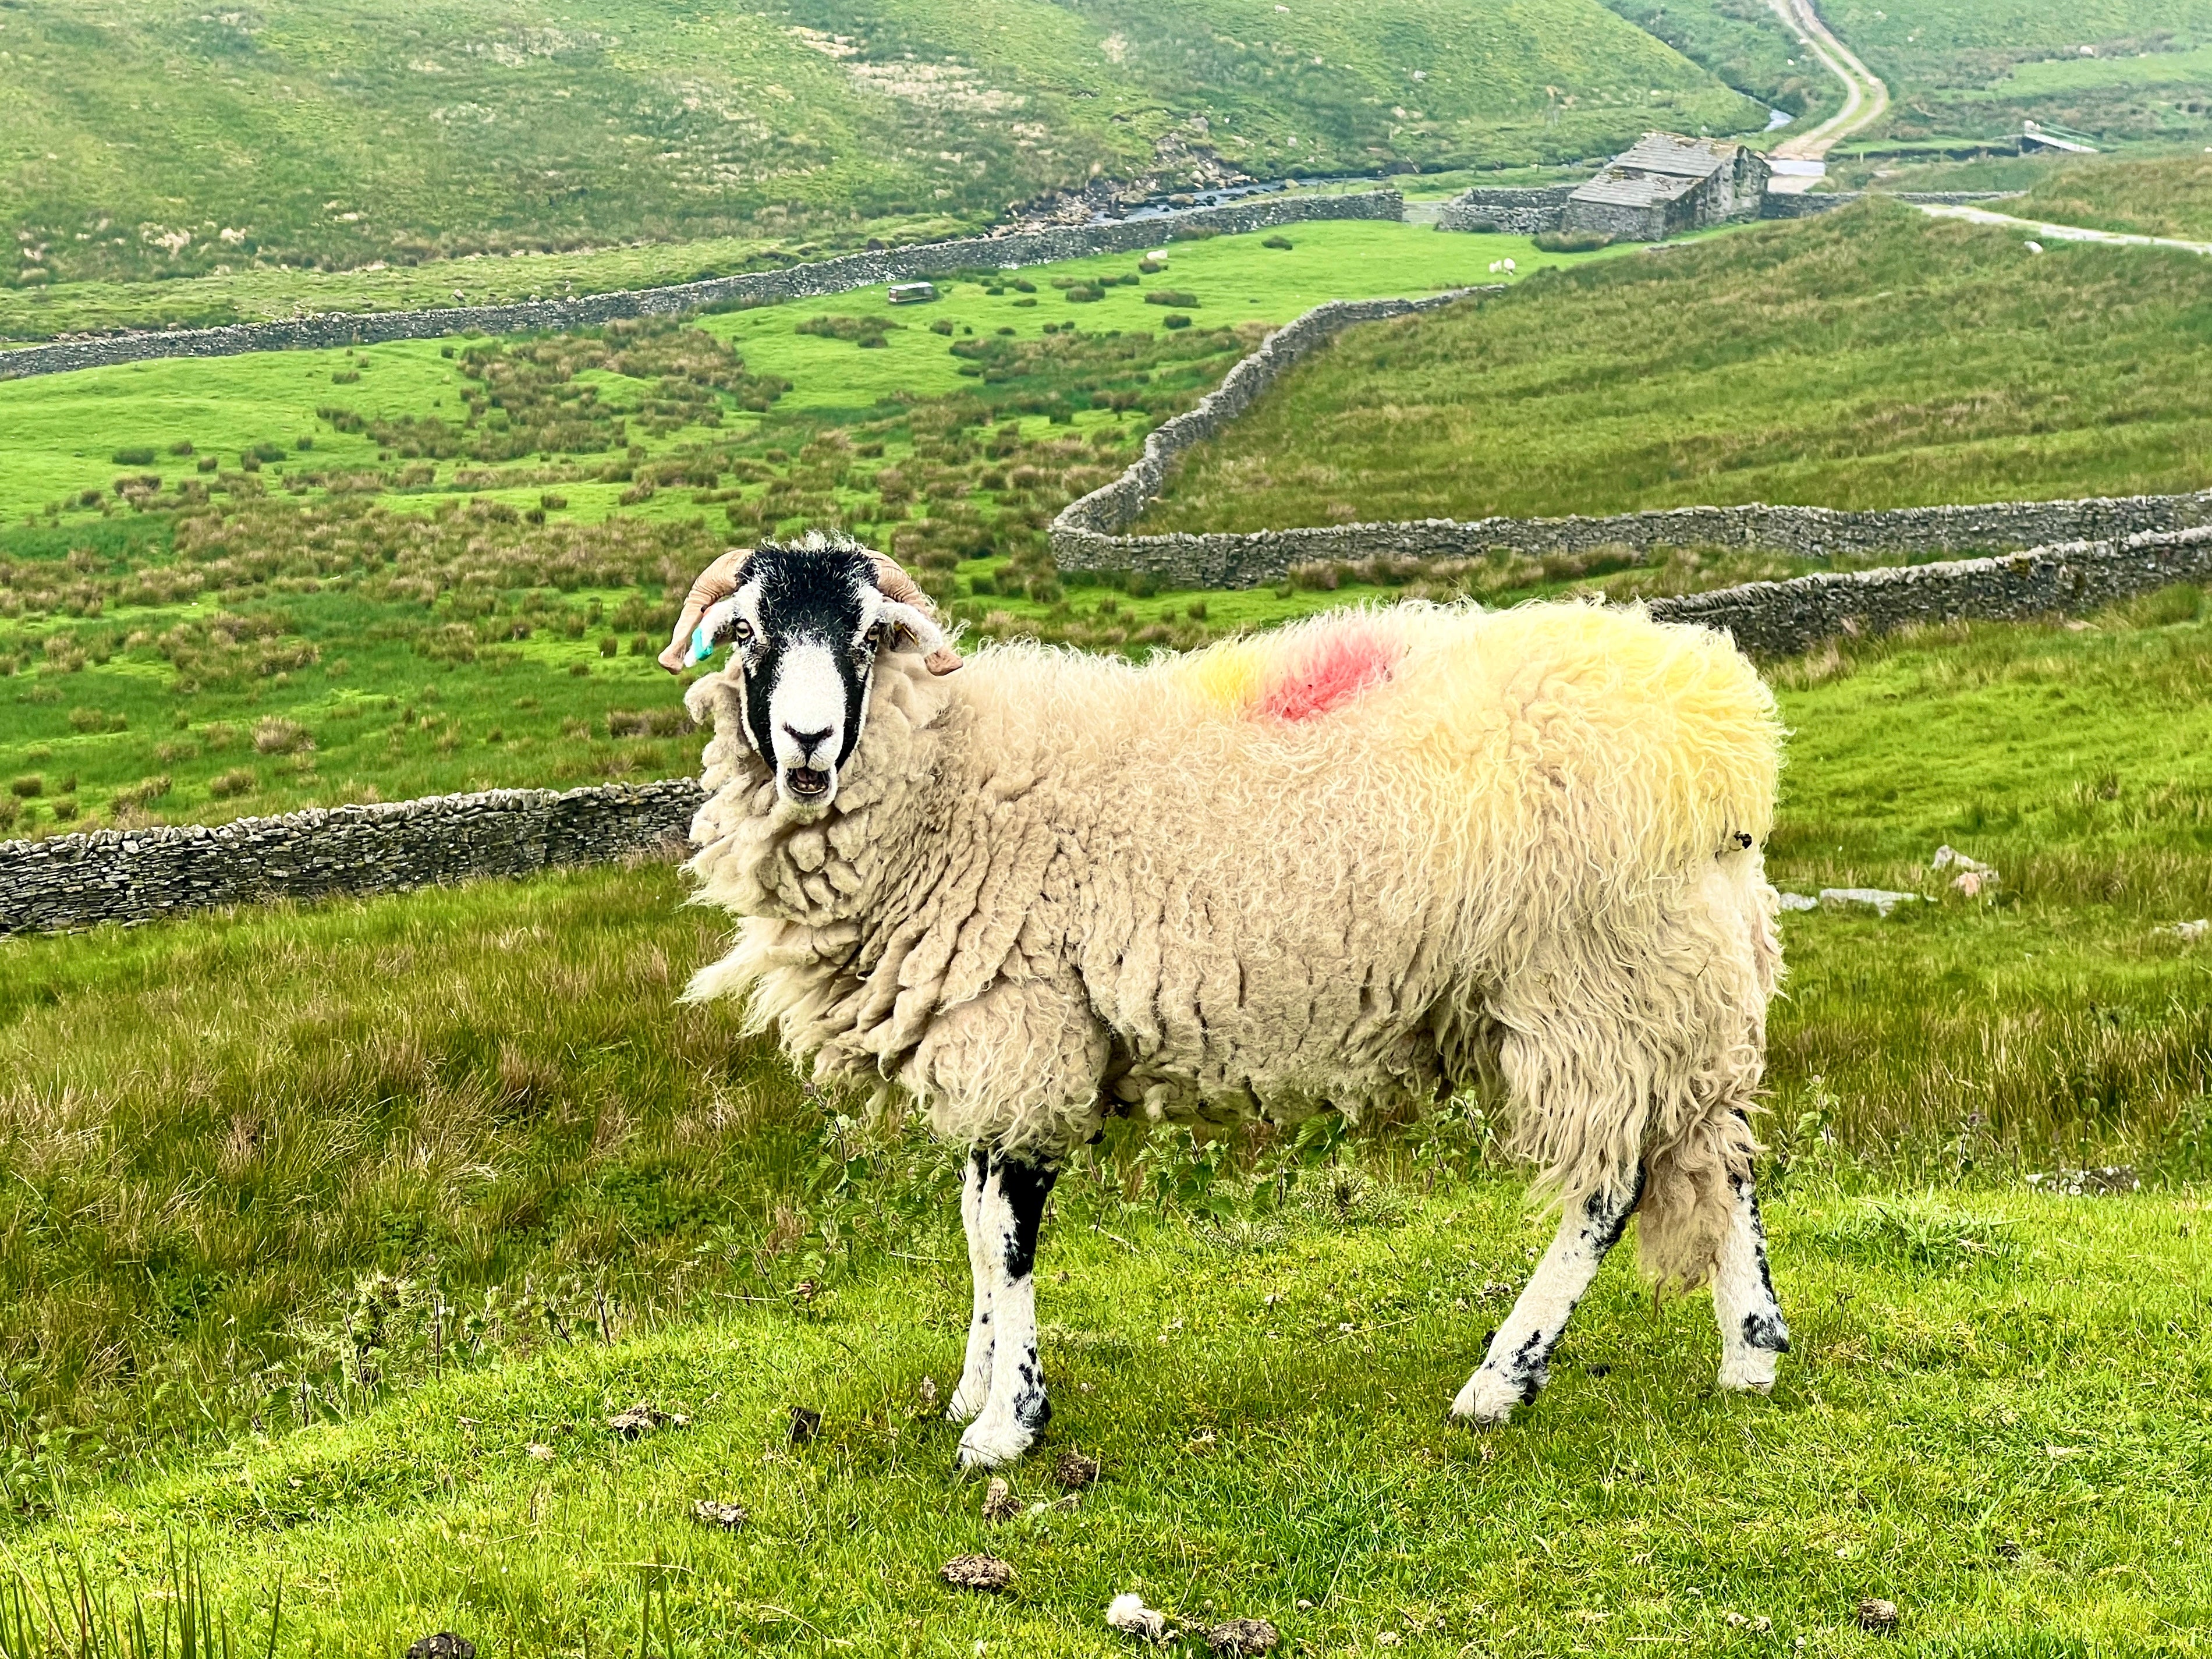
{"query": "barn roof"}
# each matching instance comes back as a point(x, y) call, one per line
point(1659, 166)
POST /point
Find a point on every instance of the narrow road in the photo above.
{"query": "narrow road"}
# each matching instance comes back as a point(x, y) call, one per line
point(2050, 233)
point(1800, 159)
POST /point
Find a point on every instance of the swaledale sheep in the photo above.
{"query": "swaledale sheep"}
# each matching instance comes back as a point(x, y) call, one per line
point(1361, 860)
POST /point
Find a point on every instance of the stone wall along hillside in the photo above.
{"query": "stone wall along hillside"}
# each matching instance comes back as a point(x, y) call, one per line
point(800, 282)
point(136, 875)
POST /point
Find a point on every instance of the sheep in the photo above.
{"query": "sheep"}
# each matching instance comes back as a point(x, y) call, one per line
point(1358, 862)
point(1508, 266)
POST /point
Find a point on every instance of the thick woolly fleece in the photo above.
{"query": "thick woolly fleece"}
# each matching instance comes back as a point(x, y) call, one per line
point(1356, 862)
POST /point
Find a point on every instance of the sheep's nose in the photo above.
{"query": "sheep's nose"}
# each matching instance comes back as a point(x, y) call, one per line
point(807, 740)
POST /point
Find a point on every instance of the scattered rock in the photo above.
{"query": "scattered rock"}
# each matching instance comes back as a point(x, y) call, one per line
point(1128, 1614)
point(805, 1425)
point(2087, 1183)
point(710, 1512)
point(1881, 899)
point(1000, 1504)
point(1072, 1471)
point(1880, 1617)
point(1388, 1638)
point(977, 1572)
point(1798, 901)
point(541, 1451)
point(643, 1418)
point(2187, 931)
point(1242, 1637)
point(1759, 1622)
point(443, 1646)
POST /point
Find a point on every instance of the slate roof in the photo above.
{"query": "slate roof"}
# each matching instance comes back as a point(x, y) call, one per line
point(1658, 168)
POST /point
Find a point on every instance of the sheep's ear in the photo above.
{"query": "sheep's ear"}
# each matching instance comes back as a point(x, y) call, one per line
point(715, 583)
point(915, 630)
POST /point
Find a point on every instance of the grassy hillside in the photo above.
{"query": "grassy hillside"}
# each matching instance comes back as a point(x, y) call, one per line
point(1975, 68)
point(161, 141)
point(250, 1155)
point(1870, 358)
point(1745, 44)
point(446, 572)
point(2170, 196)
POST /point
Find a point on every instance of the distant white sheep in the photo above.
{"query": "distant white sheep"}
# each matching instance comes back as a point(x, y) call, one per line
point(1358, 862)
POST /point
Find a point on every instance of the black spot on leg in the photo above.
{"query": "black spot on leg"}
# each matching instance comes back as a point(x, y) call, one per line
point(1765, 1329)
point(1025, 1187)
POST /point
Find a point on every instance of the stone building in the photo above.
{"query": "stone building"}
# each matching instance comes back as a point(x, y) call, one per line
point(1666, 185)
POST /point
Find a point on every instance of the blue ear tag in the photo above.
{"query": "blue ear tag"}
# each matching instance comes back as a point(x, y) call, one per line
point(701, 647)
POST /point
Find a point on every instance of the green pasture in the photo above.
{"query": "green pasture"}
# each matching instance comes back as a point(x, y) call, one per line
point(2169, 197)
point(62, 431)
point(1872, 358)
point(337, 137)
point(269, 293)
point(2132, 73)
point(254, 1153)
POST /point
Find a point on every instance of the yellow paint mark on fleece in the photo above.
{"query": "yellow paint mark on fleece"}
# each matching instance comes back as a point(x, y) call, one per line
point(1230, 676)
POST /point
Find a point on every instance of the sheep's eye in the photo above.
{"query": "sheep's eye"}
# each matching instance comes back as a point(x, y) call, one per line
point(741, 631)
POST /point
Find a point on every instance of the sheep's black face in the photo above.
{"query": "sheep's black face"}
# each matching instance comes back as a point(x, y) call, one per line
point(807, 624)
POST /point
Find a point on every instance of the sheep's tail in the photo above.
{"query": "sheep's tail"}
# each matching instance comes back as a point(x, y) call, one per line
point(1687, 1204)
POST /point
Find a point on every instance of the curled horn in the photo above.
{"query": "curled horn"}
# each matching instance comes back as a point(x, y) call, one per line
point(714, 584)
point(895, 584)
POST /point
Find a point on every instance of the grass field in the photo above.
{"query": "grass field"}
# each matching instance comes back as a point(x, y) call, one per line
point(442, 594)
point(336, 137)
point(1745, 44)
point(2167, 197)
point(1872, 358)
point(253, 1152)
point(2129, 72)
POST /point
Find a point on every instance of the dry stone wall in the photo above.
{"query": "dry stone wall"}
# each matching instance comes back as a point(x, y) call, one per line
point(798, 282)
point(1090, 521)
point(137, 875)
point(1780, 619)
point(1531, 211)
point(1253, 558)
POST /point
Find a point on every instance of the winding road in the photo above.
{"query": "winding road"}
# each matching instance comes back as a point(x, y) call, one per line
point(1801, 160)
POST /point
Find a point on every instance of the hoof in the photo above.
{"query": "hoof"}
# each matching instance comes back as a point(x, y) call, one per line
point(1750, 1372)
point(969, 1399)
point(987, 1445)
point(1487, 1399)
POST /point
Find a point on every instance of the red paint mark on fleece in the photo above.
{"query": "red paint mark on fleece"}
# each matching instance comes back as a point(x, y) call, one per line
point(1330, 673)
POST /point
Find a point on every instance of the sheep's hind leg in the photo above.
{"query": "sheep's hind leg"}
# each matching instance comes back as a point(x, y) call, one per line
point(1514, 1369)
point(1012, 1210)
point(1753, 1334)
point(976, 1373)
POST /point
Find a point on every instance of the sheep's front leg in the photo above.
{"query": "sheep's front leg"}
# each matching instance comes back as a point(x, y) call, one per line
point(1753, 1334)
point(1012, 1209)
point(976, 1373)
point(1515, 1368)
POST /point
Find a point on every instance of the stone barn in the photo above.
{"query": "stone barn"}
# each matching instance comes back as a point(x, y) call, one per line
point(1667, 184)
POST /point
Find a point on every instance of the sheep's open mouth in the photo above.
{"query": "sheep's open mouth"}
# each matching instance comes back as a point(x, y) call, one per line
point(806, 784)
